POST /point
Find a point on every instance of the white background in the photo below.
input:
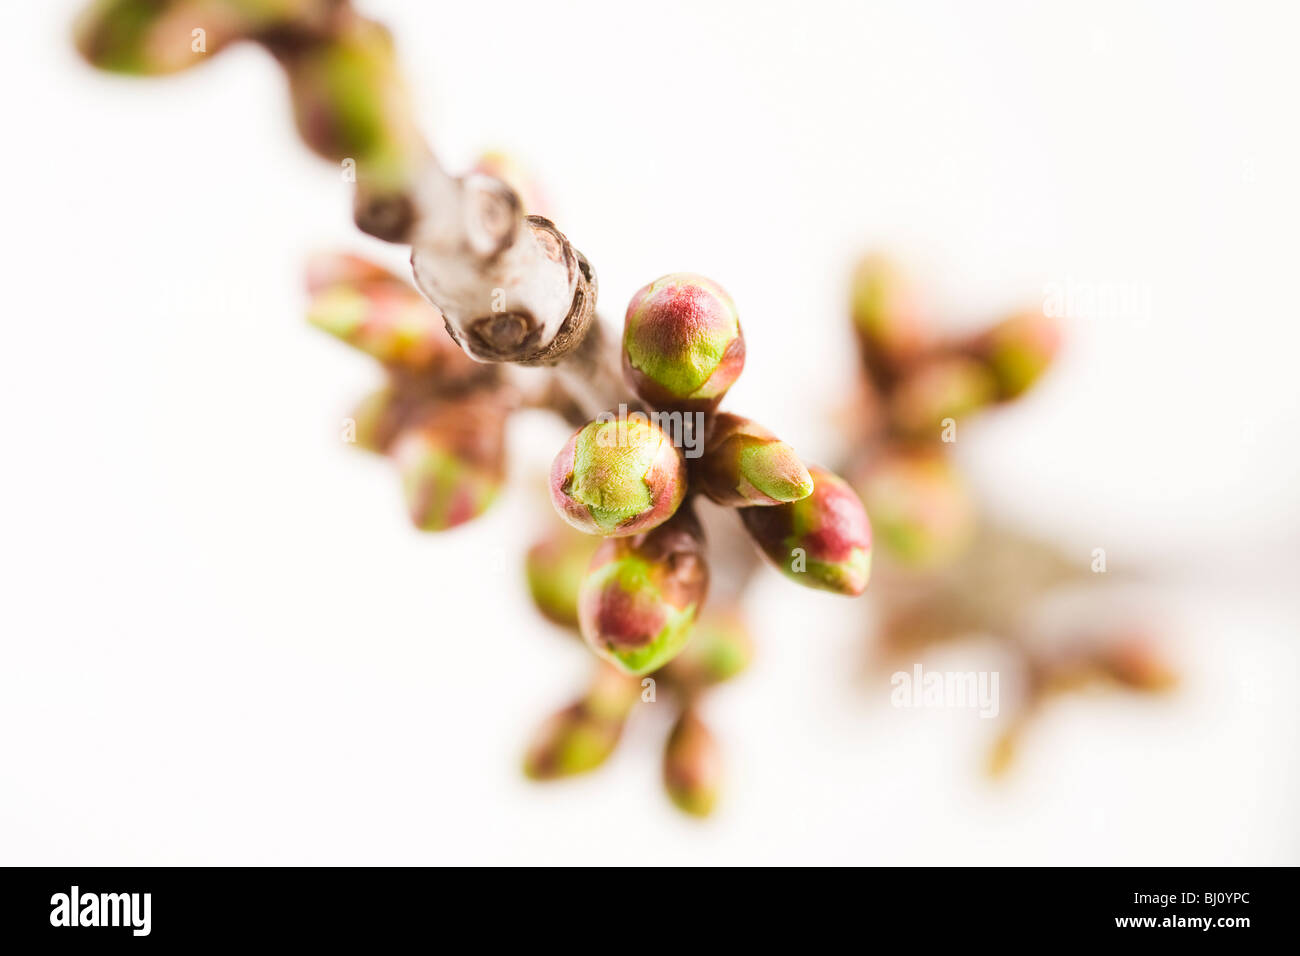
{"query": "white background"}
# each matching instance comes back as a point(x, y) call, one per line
point(222, 643)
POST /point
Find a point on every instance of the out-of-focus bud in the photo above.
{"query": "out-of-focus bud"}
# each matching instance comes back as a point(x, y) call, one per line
point(682, 344)
point(1019, 349)
point(352, 108)
point(377, 419)
point(325, 269)
point(641, 595)
point(373, 310)
point(921, 510)
point(556, 567)
point(945, 388)
point(822, 541)
point(452, 462)
point(154, 37)
point(394, 324)
point(720, 647)
point(618, 478)
point(745, 464)
point(887, 315)
point(1135, 661)
point(581, 736)
point(509, 170)
point(692, 766)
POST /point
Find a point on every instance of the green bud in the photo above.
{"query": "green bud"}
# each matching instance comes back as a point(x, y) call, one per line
point(642, 593)
point(887, 315)
point(556, 567)
point(745, 464)
point(692, 766)
point(822, 541)
point(720, 647)
point(682, 344)
point(1019, 350)
point(618, 478)
point(921, 511)
point(583, 735)
point(452, 462)
point(949, 387)
point(350, 104)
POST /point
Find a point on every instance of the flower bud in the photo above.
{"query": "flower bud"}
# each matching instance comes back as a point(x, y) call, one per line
point(921, 511)
point(452, 462)
point(692, 766)
point(887, 315)
point(682, 344)
point(822, 541)
point(351, 106)
point(945, 388)
point(745, 464)
point(556, 567)
point(641, 594)
point(581, 736)
point(720, 647)
point(1019, 349)
point(618, 478)
point(152, 38)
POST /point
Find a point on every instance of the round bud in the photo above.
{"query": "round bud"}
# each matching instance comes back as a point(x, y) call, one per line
point(682, 344)
point(618, 478)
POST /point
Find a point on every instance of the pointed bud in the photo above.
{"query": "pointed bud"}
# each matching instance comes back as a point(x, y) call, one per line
point(556, 567)
point(822, 541)
point(583, 735)
point(682, 344)
point(374, 311)
point(745, 464)
point(887, 315)
point(618, 477)
point(351, 106)
point(692, 766)
point(452, 462)
point(1019, 349)
point(641, 595)
point(151, 38)
point(950, 387)
point(720, 647)
point(921, 511)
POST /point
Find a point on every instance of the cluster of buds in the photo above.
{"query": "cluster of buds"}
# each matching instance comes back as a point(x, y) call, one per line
point(581, 736)
point(506, 287)
point(919, 387)
point(441, 416)
point(635, 480)
point(952, 576)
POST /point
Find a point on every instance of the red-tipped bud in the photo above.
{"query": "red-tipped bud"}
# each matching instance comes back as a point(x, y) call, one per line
point(641, 595)
point(452, 462)
point(682, 344)
point(822, 541)
point(618, 478)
